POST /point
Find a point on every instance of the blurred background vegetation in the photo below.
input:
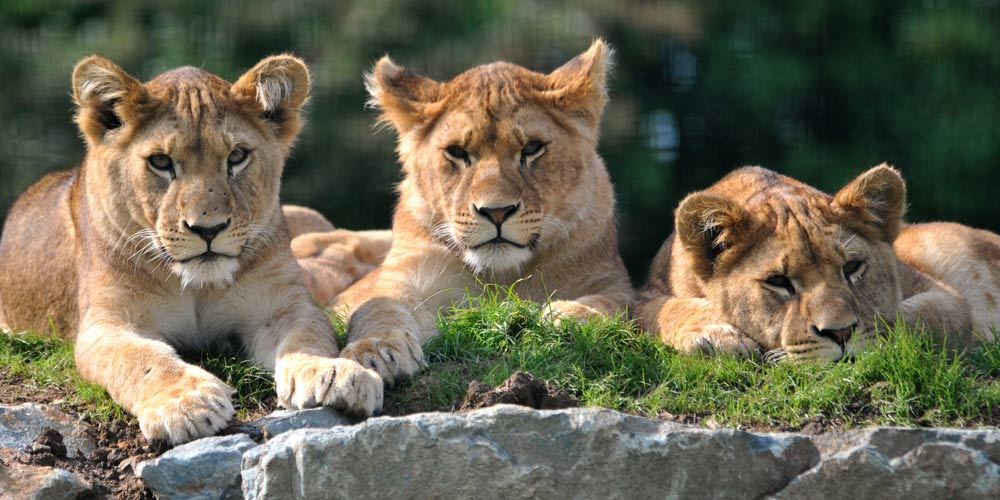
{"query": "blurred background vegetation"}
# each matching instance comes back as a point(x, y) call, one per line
point(819, 90)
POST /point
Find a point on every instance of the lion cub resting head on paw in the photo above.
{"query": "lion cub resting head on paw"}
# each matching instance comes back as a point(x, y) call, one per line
point(760, 261)
point(502, 182)
point(170, 235)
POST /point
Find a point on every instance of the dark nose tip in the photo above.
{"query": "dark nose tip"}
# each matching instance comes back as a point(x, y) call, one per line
point(497, 214)
point(838, 335)
point(207, 233)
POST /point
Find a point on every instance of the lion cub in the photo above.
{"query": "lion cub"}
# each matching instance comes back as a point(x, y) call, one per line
point(502, 182)
point(170, 235)
point(762, 261)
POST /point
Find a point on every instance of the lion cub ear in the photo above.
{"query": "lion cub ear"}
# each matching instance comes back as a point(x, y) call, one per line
point(712, 228)
point(106, 96)
point(579, 87)
point(874, 201)
point(406, 100)
point(277, 87)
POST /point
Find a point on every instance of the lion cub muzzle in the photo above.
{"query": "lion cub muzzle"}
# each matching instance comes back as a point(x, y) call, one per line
point(205, 236)
point(497, 215)
point(832, 317)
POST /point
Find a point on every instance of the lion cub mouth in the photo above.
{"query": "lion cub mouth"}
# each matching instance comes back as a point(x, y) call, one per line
point(499, 240)
point(206, 257)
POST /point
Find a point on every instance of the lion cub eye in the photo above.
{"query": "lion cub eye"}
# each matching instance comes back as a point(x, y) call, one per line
point(533, 149)
point(237, 156)
point(456, 153)
point(161, 164)
point(854, 269)
point(780, 284)
point(237, 160)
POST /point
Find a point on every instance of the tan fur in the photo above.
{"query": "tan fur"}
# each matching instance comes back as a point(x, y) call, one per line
point(712, 284)
point(561, 233)
point(332, 259)
point(303, 220)
point(108, 252)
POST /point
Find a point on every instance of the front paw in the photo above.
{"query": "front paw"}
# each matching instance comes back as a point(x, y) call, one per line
point(195, 406)
point(562, 309)
point(334, 382)
point(718, 338)
point(394, 357)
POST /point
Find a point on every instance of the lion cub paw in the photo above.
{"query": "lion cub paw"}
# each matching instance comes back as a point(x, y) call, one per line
point(719, 338)
point(196, 406)
point(394, 358)
point(338, 383)
point(561, 309)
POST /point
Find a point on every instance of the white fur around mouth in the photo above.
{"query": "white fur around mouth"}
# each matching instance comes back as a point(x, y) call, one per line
point(219, 271)
point(496, 258)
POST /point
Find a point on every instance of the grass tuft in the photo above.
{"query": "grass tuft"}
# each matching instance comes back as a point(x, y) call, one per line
point(254, 386)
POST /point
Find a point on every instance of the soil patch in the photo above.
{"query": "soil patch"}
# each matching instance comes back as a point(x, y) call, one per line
point(522, 388)
point(120, 444)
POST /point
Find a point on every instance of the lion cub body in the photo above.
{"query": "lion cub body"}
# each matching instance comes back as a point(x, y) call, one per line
point(760, 261)
point(502, 185)
point(170, 236)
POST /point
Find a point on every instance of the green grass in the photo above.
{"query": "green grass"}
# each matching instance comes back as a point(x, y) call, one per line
point(44, 364)
point(905, 379)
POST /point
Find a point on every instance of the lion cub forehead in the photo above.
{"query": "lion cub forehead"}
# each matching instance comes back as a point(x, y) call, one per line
point(470, 125)
point(496, 87)
point(192, 94)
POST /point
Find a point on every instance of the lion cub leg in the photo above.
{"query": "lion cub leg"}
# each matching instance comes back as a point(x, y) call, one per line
point(691, 326)
point(384, 334)
point(332, 261)
point(299, 344)
point(935, 305)
point(586, 307)
point(174, 401)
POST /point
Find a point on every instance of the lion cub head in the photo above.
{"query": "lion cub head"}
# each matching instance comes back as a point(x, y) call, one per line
point(500, 162)
point(184, 170)
point(805, 274)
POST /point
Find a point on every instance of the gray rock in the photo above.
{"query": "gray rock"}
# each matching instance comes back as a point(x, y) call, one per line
point(20, 481)
point(515, 452)
point(903, 463)
point(204, 469)
point(21, 424)
point(282, 421)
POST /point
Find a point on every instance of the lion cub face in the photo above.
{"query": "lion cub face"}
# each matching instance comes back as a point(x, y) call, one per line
point(494, 154)
point(192, 163)
point(804, 274)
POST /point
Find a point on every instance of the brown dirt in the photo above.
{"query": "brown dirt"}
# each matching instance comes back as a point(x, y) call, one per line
point(120, 444)
point(521, 388)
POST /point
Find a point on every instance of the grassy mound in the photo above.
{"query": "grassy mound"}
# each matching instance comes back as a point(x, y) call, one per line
point(905, 379)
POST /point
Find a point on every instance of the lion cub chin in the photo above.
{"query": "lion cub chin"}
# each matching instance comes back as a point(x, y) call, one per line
point(170, 235)
point(503, 184)
point(762, 262)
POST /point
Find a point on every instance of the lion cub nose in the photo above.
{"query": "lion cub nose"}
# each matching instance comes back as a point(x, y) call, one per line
point(207, 233)
point(497, 214)
point(840, 334)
